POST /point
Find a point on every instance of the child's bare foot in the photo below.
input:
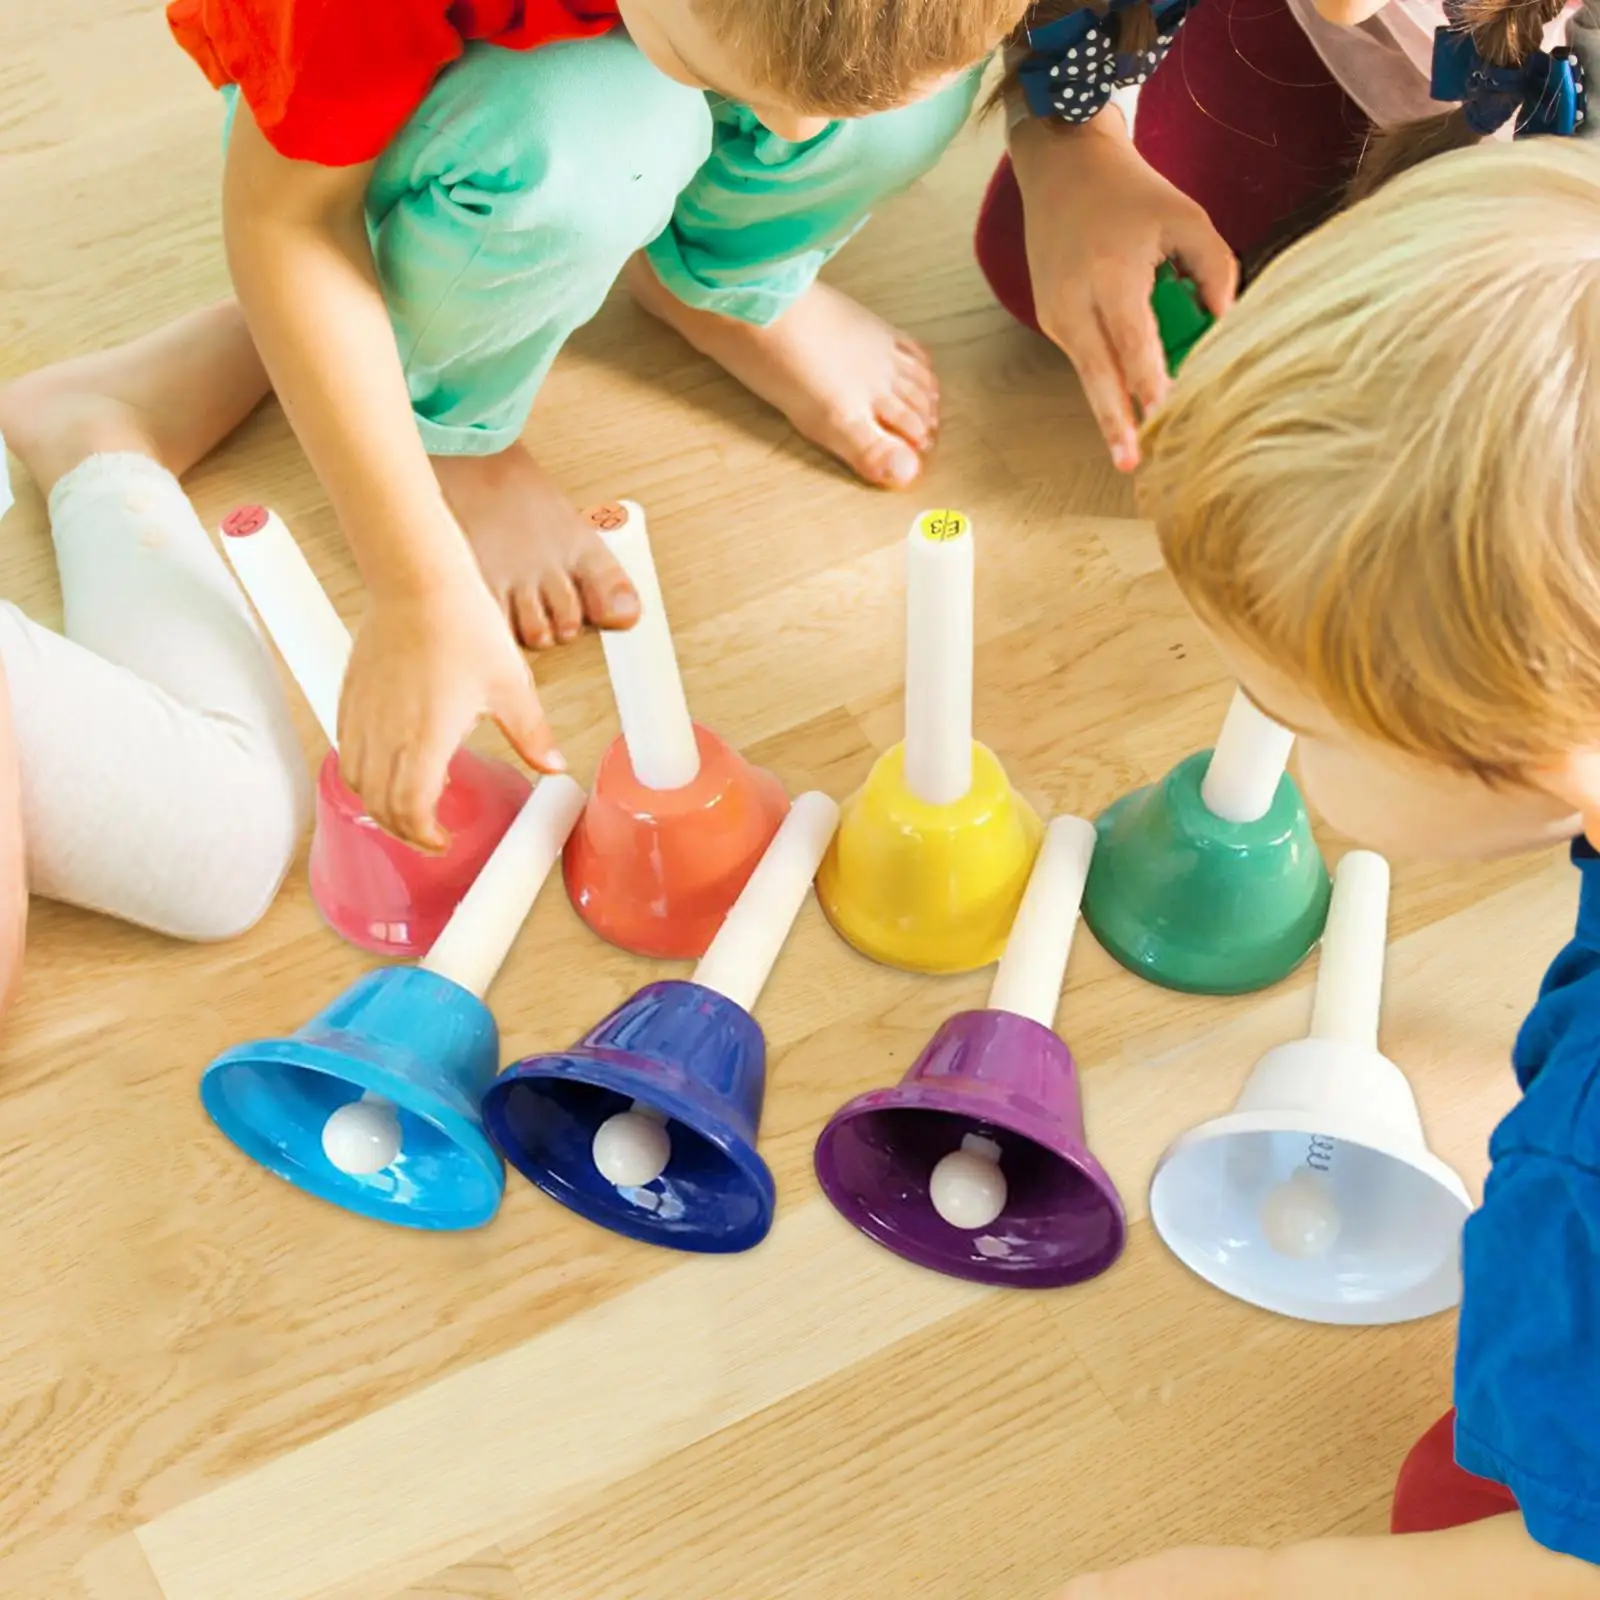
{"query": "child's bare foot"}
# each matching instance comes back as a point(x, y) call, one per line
point(842, 376)
point(546, 566)
point(173, 395)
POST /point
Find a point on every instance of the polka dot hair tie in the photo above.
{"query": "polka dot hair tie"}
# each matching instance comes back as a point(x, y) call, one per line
point(1074, 65)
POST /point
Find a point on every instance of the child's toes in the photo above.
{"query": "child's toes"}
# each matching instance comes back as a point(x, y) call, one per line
point(607, 597)
point(917, 385)
point(922, 395)
point(907, 419)
point(908, 348)
point(880, 456)
point(531, 620)
point(562, 604)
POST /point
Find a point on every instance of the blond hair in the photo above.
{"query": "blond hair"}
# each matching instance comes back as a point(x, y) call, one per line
point(1381, 471)
point(850, 58)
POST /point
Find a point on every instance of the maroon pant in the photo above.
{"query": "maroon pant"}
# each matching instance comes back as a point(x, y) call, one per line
point(1241, 115)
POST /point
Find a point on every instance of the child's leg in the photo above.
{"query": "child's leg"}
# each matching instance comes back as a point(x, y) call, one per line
point(162, 780)
point(736, 275)
point(174, 394)
point(500, 219)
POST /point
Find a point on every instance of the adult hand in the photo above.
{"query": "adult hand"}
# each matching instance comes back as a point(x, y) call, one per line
point(1100, 221)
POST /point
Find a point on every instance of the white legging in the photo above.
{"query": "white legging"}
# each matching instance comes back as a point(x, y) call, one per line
point(162, 780)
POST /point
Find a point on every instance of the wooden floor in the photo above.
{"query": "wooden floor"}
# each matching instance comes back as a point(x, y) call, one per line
point(212, 1388)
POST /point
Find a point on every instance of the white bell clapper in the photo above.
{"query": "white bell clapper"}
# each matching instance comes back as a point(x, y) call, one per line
point(1317, 1196)
point(293, 608)
point(1300, 1217)
point(1247, 764)
point(939, 656)
point(632, 1148)
point(968, 1187)
point(364, 1137)
point(643, 667)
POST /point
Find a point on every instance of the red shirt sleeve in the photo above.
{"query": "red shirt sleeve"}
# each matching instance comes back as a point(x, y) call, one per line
point(329, 81)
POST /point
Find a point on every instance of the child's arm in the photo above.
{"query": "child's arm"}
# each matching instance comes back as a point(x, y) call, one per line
point(1100, 221)
point(13, 856)
point(434, 653)
point(1492, 1560)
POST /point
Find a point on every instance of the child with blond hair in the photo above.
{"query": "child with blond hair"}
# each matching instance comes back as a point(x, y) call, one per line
point(1377, 483)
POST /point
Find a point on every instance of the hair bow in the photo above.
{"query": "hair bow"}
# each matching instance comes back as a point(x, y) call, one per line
point(1545, 94)
point(1074, 64)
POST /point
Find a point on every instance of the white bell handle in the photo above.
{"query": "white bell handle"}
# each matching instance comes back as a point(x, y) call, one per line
point(741, 956)
point(1034, 964)
point(293, 607)
point(1349, 999)
point(483, 927)
point(1247, 765)
point(939, 649)
point(642, 663)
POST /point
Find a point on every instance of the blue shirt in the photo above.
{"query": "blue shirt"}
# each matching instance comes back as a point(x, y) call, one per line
point(1528, 1360)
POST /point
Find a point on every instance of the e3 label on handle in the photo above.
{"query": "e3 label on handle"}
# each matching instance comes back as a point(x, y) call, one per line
point(940, 527)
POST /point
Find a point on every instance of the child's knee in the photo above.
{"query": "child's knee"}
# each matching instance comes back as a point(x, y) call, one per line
point(234, 877)
point(585, 145)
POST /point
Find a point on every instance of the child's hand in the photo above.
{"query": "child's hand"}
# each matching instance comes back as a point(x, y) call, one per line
point(1188, 1574)
point(424, 669)
point(1100, 221)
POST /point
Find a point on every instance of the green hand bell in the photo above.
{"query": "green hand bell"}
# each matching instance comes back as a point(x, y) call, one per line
point(1210, 881)
point(1180, 317)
